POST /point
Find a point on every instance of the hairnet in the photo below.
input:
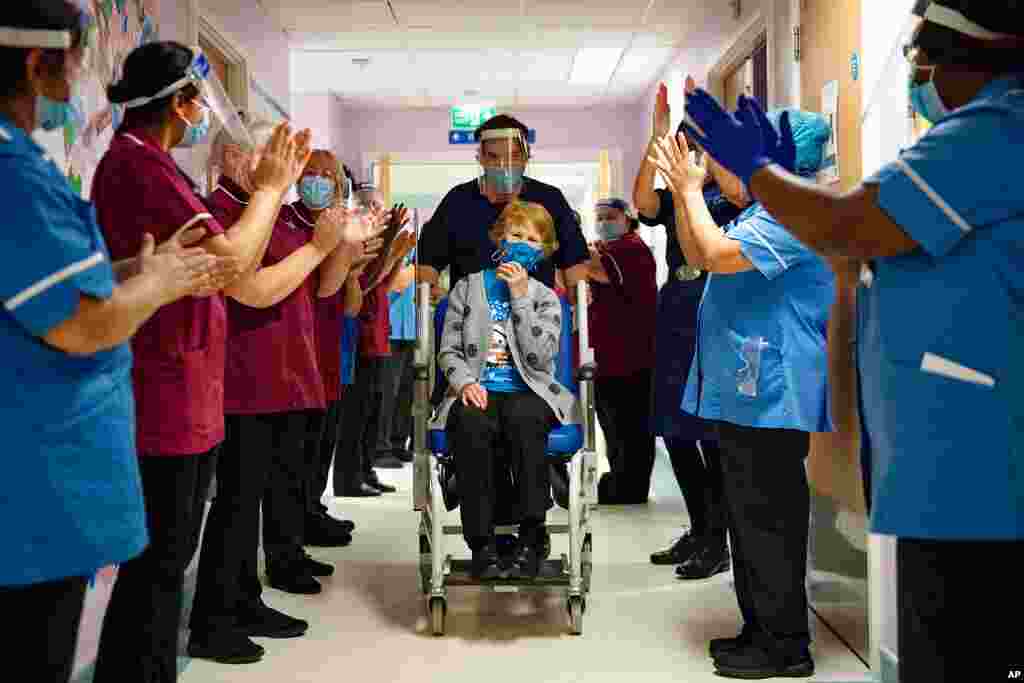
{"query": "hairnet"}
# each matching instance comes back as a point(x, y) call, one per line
point(810, 133)
point(615, 203)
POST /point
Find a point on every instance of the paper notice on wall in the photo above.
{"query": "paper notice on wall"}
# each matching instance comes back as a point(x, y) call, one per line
point(829, 172)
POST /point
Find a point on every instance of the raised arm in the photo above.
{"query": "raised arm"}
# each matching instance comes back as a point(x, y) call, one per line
point(646, 200)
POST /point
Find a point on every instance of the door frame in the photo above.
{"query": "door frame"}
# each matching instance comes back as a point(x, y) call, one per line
point(742, 47)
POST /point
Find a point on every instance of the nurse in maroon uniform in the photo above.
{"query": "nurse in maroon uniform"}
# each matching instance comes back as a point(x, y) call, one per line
point(272, 385)
point(179, 354)
point(321, 186)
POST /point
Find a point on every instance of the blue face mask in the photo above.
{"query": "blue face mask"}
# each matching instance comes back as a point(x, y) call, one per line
point(610, 230)
point(925, 100)
point(196, 133)
point(53, 115)
point(522, 253)
point(316, 192)
point(504, 180)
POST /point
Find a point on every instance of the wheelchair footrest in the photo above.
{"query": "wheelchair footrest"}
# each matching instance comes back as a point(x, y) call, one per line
point(551, 575)
point(510, 530)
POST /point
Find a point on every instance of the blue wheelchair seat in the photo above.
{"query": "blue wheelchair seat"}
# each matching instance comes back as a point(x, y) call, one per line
point(565, 440)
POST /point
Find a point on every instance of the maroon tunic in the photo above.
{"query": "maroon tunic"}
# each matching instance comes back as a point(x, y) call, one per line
point(178, 374)
point(272, 362)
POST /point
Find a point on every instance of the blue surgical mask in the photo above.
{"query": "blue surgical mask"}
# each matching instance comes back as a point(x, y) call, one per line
point(523, 253)
point(610, 230)
point(925, 100)
point(196, 133)
point(316, 192)
point(53, 115)
point(504, 180)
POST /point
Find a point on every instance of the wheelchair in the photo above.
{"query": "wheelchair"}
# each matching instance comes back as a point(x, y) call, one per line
point(571, 447)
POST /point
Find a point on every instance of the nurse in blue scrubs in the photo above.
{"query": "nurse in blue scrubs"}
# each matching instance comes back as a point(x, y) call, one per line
point(940, 347)
point(759, 373)
point(702, 551)
point(70, 498)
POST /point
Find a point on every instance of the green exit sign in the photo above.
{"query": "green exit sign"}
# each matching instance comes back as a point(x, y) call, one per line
point(471, 116)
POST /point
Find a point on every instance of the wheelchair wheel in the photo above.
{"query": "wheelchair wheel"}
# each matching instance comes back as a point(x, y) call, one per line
point(577, 606)
point(438, 608)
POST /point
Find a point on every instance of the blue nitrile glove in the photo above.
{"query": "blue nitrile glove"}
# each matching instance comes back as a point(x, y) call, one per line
point(737, 143)
point(779, 145)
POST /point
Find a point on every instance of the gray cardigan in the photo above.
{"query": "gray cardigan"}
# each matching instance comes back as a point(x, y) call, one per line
point(533, 327)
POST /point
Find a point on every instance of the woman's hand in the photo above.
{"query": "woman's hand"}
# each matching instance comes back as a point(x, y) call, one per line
point(474, 395)
point(283, 161)
point(674, 162)
point(185, 272)
point(516, 277)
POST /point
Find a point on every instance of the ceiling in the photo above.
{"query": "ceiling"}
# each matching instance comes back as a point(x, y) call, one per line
point(514, 53)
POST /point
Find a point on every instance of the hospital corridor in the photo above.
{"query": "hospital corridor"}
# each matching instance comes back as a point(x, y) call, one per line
point(424, 340)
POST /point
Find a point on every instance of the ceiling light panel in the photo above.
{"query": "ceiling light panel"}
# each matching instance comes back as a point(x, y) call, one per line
point(594, 65)
point(334, 71)
point(587, 12)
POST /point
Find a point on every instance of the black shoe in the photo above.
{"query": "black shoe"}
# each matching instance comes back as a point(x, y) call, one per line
point(317, 568)
point(704, 564)
point(388, 462)
point(376, 483)
point(362, 491)
point(322, 517)
point(321, 533)
point(297, 581)
point(721, 646)
point(267, 622)
point(486, 566)
point(753, 662)
point(526, 564)
point(406, 456)
point(226, 647)
point(679, 552)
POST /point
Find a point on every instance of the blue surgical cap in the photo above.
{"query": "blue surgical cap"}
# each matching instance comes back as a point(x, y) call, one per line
point(810, 133)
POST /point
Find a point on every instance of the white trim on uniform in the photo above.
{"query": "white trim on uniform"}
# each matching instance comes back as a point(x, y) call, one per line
point(5, 135)
point(54, 280)
point(225, 191)
point(195, 219)
point(622, 277)
point(937, 365)
point(938, 201)
point(764, 243)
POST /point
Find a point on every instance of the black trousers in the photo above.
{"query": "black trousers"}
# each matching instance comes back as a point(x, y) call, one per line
point(624, 410)
point(286, 498)
point(768, 505)
point(44, 626)
point(228, 581)
point(360, 419)
point(139, 641)
point(319, 455)
point(947, 596)
point(395, 425)
point(513, 431)
point(700, 480)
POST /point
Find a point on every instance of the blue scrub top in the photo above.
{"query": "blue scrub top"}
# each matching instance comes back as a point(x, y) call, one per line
point(72, 496)
point(780, 310)
point(403, 310)
point(941, 334)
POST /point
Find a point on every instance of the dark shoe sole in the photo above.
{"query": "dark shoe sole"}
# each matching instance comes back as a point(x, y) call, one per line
point(359, 494)
point(663, 559)
point(295, 590)
point(719, 568)
point(296, 631)
point(805, 670)
point(201, 653)
point(340, 542)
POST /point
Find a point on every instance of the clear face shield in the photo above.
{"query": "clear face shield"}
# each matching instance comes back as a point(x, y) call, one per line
point(886, 87)
point(211, 94)
point(503, 156)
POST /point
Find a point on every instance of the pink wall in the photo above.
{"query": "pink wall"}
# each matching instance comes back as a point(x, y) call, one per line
point(562, 134)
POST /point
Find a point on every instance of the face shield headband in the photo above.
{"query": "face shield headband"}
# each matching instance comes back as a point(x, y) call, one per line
point(504, 179)
point(214, 95)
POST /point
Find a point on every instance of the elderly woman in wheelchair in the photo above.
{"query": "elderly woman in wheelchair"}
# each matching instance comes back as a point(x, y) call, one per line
point(498, 353)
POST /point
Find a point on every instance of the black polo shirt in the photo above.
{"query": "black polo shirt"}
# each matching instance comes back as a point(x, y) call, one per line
point(456, 236)
point(722, 211)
